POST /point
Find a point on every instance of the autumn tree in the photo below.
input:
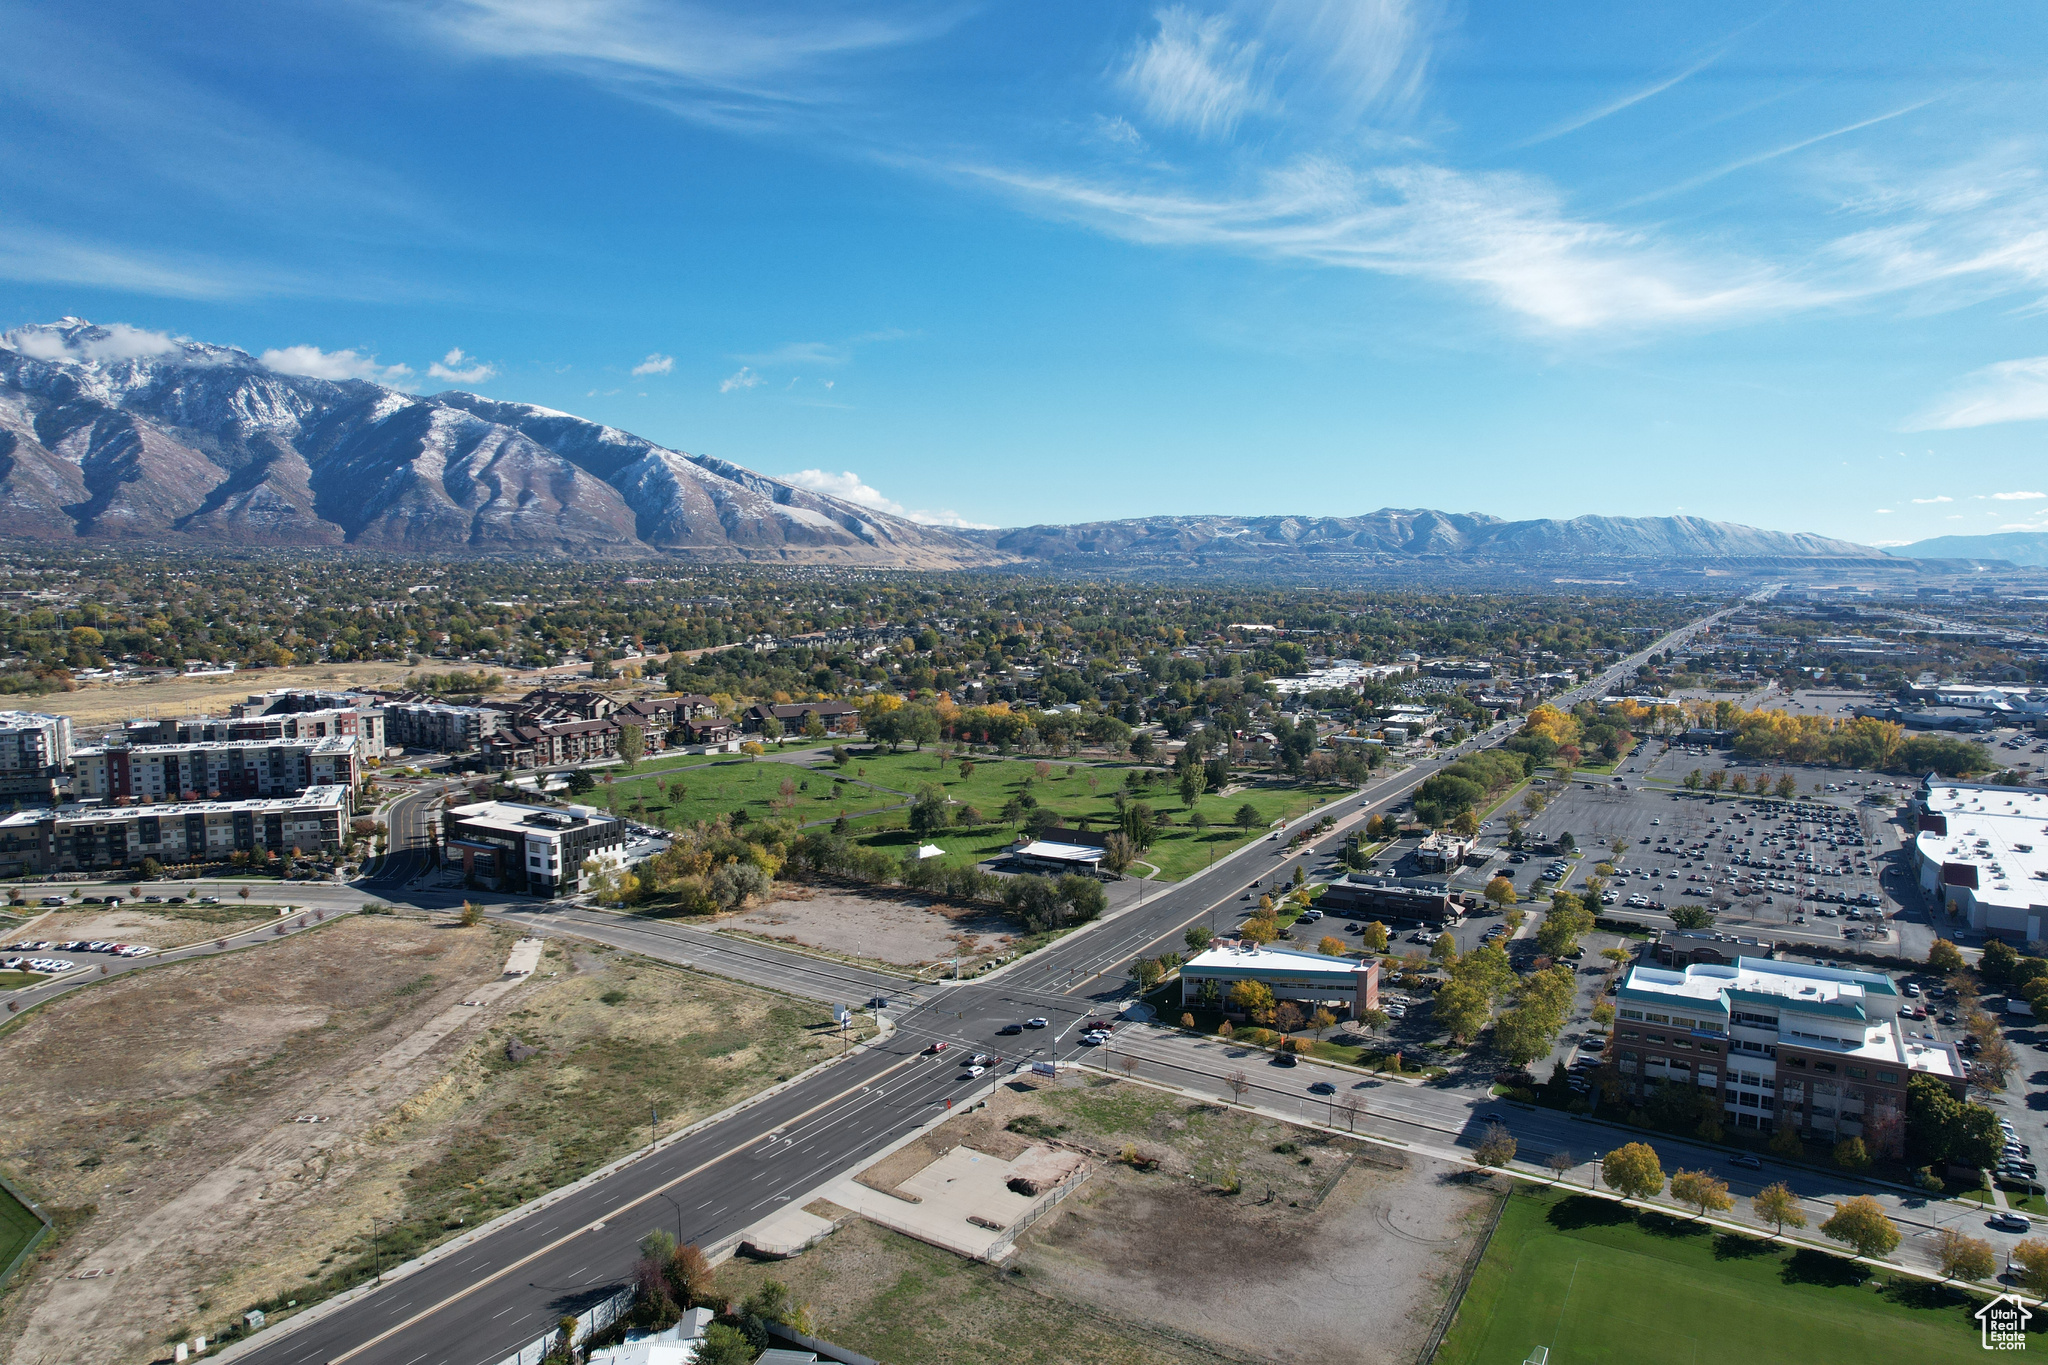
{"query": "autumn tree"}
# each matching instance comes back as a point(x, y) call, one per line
point(1501, 892)
point(1777, 1205)
point(1701, 1192)
point(2031, 1256)
point(1375, 937)
point(1252, 997)
point(472, 914)
point(1944, 956)
point(1963, 1257)
point(1861, 1225)
point(1634, 1170)
point(1496, 1146)
point(1331, 946)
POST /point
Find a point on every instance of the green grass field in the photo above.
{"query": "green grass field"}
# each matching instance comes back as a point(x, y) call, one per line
point(1601, 1286)
point(679, 794)
point(17, 1227)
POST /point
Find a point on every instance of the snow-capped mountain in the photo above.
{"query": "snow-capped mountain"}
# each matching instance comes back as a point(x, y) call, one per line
point(114, 433)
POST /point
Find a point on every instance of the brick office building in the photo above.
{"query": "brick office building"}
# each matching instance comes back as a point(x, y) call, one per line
point(1777, 1044)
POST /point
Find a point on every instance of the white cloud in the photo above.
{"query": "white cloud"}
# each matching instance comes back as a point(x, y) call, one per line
point(457, 368)
point(656, 363)
point(1504, 235)
point(1193, 75)
point(1943, 497)
point(801, 353)
point(2010, 391)
point(2017, 497)
point(850, 487)
point(115, 341)
point(743, 378)
point(750, 64)
point(315, 363)
point(1884, 511)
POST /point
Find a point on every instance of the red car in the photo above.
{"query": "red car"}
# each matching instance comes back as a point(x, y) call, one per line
point(936, 1047)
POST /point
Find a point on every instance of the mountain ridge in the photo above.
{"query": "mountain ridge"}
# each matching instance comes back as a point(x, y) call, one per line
point(114, 435)
point(2023, 549)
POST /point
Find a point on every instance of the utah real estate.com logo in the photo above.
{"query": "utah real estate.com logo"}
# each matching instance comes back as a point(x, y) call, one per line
point(2004, 1320)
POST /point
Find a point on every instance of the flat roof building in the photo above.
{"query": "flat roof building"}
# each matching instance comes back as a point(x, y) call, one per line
point(230, 769)
point(1982, 854)
point(1777, 1045)
point(81, 838)
point(1053, 856)
point(534, 850)
point(1312, 977)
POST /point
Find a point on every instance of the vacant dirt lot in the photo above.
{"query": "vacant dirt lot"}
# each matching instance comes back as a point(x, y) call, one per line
point(158, 926)
point(1331, 1250)
point(111, 703)
point(159, 1113)
point(903, 930)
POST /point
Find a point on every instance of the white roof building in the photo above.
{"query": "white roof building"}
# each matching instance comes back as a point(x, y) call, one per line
point(1982, 852)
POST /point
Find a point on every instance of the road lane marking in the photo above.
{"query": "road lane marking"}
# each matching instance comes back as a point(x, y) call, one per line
point(535, 1255)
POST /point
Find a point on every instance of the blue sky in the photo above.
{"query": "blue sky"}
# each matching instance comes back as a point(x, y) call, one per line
point(1010, 263)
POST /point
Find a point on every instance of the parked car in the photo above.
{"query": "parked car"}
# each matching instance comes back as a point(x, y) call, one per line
point(1008, 1029)
point(2008, 1221)
point(1037, 1023)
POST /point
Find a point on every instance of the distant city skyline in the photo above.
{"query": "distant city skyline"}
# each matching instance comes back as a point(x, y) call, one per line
point(995, 266)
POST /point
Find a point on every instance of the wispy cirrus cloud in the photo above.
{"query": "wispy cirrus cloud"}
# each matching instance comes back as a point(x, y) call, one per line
point(2010, 391)
point(656, 363)
point(746, 64)
point(1192, 73)
point(2017, 497)
point(1940, 497)
point(740, 380)
point(850, 487)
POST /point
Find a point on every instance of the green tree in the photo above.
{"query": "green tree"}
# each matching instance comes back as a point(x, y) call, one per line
point(1861, 1225)
point(1694, 780)
point(1194, 780)
point(1692, 917)
point(1197, 937)
point(723, 1345)
point(1568, 919)
point(1247, 816)
point(1634, 1170)
point(1375, 937)
point(472, 914)
point(1995, 963)
point(1118, 852)
point(1444, 950)
point(1146, 972)
point(1777, 1205)
point(581, 783)
point(632, 744)
point(1461, 1009)
point(928, 809)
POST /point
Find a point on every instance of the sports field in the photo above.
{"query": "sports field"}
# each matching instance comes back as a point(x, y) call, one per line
point(1599, 1285)
point(17, 1226)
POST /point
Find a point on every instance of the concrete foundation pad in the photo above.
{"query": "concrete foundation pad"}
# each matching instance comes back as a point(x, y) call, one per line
point(964, 1202)
point(786, 1233)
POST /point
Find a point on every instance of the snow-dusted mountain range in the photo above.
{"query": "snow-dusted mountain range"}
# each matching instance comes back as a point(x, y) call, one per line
point(115, 434)
point(112, 433)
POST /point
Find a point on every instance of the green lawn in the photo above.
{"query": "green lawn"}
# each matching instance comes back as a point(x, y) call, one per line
point(17, 1227)
point(14, 981)
point(679, 796)
point(1178, 852)
point(1600, 1285)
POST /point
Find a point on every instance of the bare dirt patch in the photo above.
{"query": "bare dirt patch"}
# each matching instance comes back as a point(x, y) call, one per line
point(159, 1113)
point(904, 930)
point(169, 926)
point(111, 703)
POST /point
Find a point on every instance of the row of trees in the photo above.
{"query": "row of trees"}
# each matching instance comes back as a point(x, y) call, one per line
point(1461, 787)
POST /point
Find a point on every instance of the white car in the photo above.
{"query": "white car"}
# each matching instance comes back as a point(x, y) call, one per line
point(976, 1070)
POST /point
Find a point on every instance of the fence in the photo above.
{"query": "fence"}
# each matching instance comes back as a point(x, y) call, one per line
point(1010, 1234)
point(597, 1319)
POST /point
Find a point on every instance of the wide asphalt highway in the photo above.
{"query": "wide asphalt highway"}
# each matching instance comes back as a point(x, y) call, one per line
point(478, 1303)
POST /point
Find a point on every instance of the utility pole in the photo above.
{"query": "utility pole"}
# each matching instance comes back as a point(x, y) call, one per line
point(653, 1124)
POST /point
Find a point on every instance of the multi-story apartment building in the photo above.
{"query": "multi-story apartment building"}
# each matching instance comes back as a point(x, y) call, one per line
point(363, 724)
point(35, 751)
point(1777, 1044)
point(535, 850)
point(232, 769)
point(437, 725)
point(92, 838)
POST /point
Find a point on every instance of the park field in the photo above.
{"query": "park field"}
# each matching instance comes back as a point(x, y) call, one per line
point(870, 789)
point(1599, 1284)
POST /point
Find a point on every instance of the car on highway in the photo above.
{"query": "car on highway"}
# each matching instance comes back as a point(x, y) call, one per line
point(1748, 1163)
point(1284, 1059)
point(974, 1071)
point(876, 1002)
point(937, 1048)
point(1008, 1029)
point(1322, 1088)
point(1037, 1023)
point(1094, 1039)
